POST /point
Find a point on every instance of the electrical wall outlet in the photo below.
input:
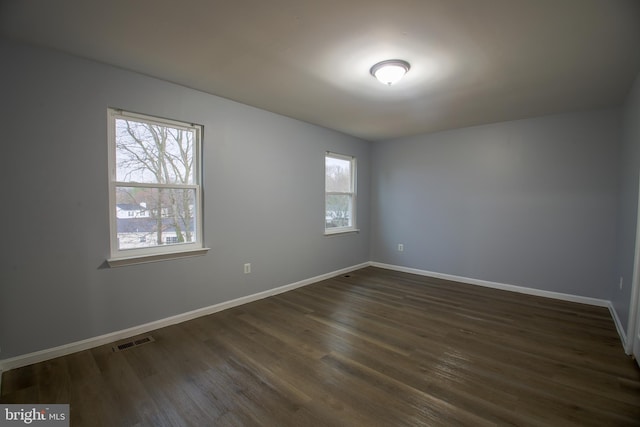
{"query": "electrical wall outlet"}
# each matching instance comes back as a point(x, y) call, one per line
point(400, 247)
point(247, 268)
point(620, 284)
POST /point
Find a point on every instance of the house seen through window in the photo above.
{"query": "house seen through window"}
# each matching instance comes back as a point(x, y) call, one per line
point(154, 185)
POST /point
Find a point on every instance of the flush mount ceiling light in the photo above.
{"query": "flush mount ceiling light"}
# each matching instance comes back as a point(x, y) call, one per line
point(390, 71)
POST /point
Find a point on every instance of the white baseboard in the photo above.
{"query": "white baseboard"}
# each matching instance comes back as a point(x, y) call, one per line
point(63, 350)
point(496, 285)
point(42, 355)
point(519, 289)
point(619, 327)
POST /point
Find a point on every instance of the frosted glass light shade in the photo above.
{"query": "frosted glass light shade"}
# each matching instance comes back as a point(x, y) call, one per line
point(391, 71)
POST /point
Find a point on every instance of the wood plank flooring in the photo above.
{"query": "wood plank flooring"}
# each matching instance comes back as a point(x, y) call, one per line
point(371, 348)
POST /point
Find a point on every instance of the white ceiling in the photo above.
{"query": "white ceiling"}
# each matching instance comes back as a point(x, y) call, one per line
point(473, 61)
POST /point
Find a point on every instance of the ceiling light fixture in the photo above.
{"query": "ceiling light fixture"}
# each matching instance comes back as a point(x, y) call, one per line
point(390, 71)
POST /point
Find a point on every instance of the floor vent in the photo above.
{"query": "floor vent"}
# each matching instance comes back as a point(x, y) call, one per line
point(133, 343)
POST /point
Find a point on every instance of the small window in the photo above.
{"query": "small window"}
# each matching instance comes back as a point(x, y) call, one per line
point(154, 176)
point(340, 193)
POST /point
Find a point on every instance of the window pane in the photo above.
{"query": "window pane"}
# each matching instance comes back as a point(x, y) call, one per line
point(337, 175)
point(153, 153)
point(338, 211)
point(148, 217)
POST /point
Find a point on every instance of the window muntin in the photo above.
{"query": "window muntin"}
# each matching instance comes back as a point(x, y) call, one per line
point(340, 194)
point(155, 193)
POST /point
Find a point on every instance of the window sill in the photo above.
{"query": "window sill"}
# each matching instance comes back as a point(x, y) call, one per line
point(142, 259)
point(333, 232)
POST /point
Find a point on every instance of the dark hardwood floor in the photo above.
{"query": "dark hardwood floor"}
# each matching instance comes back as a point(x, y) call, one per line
point(372, 348)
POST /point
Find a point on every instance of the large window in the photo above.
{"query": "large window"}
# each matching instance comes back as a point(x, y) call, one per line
point(155, 194)
point(340, 193)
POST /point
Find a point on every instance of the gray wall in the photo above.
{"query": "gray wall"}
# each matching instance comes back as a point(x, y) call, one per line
point(530, 203)
point(263, 187)
point(628, 208)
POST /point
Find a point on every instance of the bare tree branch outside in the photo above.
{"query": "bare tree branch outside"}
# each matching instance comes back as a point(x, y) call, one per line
point(155, 174)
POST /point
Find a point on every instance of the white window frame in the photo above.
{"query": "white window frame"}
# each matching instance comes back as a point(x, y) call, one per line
point(353, 193)
point(121, 257)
